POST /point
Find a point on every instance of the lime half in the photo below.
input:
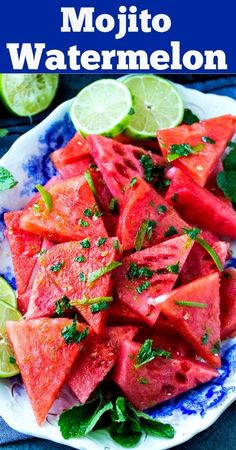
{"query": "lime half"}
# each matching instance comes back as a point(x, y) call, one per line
point(157, 105)
point(28, 94)
point(7, 294)
point(103, 107)
point(8, 366)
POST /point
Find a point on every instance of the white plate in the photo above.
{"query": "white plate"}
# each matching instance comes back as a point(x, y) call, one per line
point(28, 160)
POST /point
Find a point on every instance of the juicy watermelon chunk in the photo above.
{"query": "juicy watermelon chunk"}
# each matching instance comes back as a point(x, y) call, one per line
point(118, 163)
point(77, 148)
point(72, 277)
point(24, 248)
point(70, 199)
point(197, 205)
point(142, 203)
point(137, 292)
point(228, 303)
point(75, 169)
point(199, 165)
point(23, 302)
point(44, 359)
point(199, 263)
point(44, 295)
point(200, 326)
point(121, 314)
point(97, 359)
point(158, 380)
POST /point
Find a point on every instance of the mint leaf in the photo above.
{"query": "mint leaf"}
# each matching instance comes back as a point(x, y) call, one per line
point(151, 170)
point(178, 150)
point(3, 132)
point(153, 426)
point(71, 334)
point(126, 427)
point(147, 353)
point(190, 117)
point(139, 272)
point(229, 162)
point(7, 180)
point(226, 181)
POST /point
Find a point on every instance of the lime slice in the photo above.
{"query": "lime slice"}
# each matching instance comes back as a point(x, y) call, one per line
point(7, 294)
point(104, 107)
point(8, 367)
point(27, 94)
point(157, 105)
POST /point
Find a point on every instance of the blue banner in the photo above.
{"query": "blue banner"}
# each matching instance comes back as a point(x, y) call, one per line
point(85, 36)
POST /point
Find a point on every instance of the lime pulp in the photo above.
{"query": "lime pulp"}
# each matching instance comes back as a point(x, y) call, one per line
point(8, 366)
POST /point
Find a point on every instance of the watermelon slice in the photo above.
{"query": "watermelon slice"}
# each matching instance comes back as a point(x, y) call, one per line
point(44, 295)
point(199, 263)
point(200, 326)
point(119, 163)
point(72, 275)
point(165, 262)
point(228, 303)
point(219, 130)
point(44, 359)
point(70, 199)
point(158, 380)
point(197, 205)
point(97, 359)
point(119, 313)
point(148, 144)
point(77, 148)
point(75, 169)
point(24, 248)
point(23, 302)
point(142, 203)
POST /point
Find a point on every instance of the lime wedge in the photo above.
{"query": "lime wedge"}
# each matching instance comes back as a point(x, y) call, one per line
point(157, 105)
point(8, 366)
point(7, 294)
point(103, 107)
point(27, 94)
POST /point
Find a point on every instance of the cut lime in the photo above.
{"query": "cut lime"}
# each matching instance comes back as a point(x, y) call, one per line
point(103, 107)
point(7, 294)
point(27, 94)
point(157, 105)
point(8, 366)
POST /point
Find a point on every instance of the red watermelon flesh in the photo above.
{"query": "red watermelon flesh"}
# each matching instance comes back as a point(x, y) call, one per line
point(44, 295)
point(200, 326)
point(23, 301)
point(199, 206)
point(69, 280)
point(77, 148)
point(44, 359)
point(200, 165)
point(75, 169)
point(211, 184)
point(156, 259)
point(143, 203)
point(159, 380)
point(70, 199)
point(148, 144)
point(118, 163)
point(121, 314)
point(24, 248)
point(199, 263)
point(97, 359)
point(228, 303)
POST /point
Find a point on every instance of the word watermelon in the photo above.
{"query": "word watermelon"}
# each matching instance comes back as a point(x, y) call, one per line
point(158, 380)
point(70, 199)
point(142, 203)
point(199, 325)
point(44, 359)
point(97, 360)
point(199, 206)
point(218, 131)
point(163, 262)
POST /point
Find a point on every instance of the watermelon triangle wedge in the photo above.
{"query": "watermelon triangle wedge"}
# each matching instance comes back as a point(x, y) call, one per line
point(158, 380)
point(194, 309)
point(161, 265)
point(210, 137)
point(63, 223)
point(228, 303)
point(44, 359)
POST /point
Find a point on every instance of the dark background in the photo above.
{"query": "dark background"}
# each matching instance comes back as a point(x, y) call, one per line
point(222, 435)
